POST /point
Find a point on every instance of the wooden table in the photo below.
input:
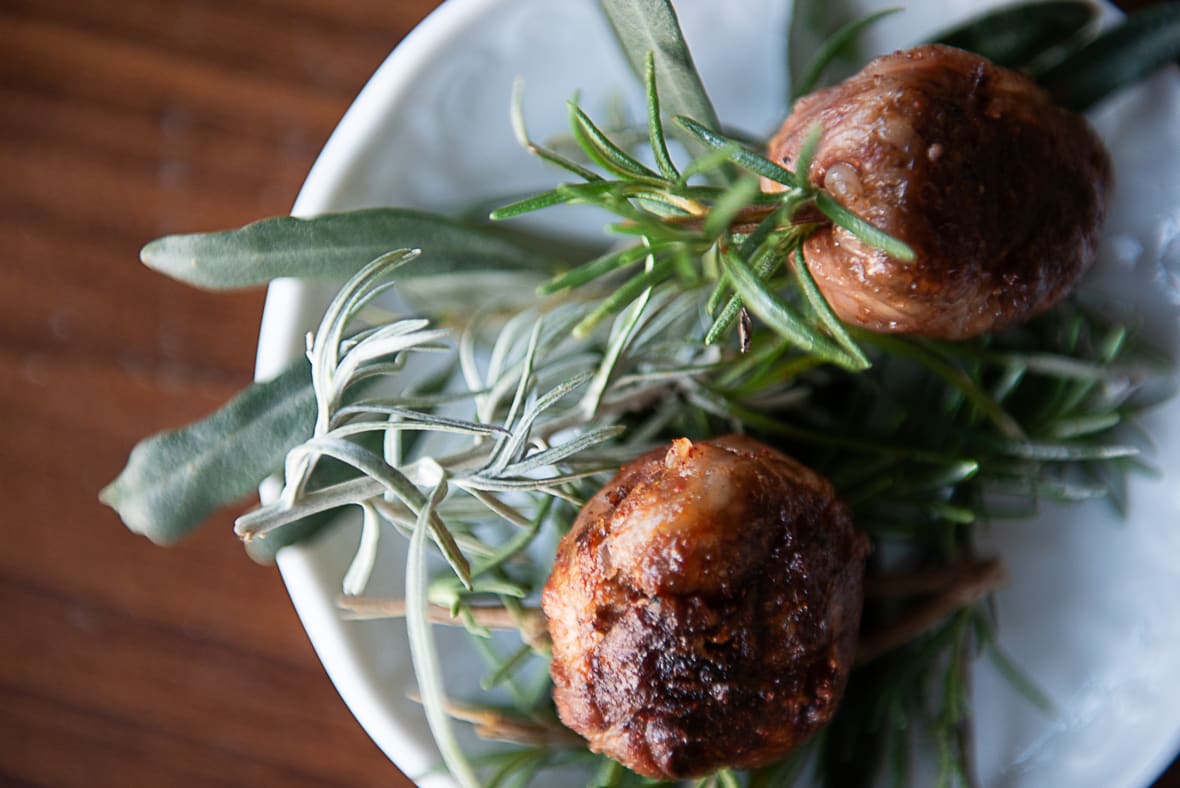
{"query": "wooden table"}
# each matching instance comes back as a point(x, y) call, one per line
point(123, 664)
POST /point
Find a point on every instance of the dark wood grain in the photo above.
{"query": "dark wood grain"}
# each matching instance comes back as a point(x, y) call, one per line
point(123, 664)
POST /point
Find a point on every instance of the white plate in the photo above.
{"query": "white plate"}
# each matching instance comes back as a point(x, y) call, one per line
point(1091, 612)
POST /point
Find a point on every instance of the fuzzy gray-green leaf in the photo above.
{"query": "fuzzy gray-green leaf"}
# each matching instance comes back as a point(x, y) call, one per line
point(174, 480)
point(336, 246)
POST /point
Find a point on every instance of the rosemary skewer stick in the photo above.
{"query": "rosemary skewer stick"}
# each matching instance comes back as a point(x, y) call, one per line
point(955, 588)
point(496, 725)
point(977, 581)
point(529, 621)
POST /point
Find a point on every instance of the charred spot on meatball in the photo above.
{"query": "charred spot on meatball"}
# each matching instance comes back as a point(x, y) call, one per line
point(999, 191)
point(704, 609)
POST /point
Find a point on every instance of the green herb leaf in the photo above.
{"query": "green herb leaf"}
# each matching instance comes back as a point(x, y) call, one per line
point(731, 203)
point(824, 311)
point(807, 156)
point(1141, 45)
point(626, 293)
point(621, 335)
point(1064, 451)
point(1016, 35)
point(733, 151)
point(643, 26)
point(782, 318)
point(831, 48)
point(599, 147)
point(655, 122)
point(811, 23)
point(395, 483)
point(520, 131)
point(174, 480)
point(529, 204)
point(707, 163)
point(336, 246)
point(1017, 678)
point(763, 263)
point(864, 230)
point(593, 269)
point(952, 373)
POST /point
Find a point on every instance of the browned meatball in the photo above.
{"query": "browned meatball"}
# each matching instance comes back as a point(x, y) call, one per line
point(704, 609)
point(999, 191)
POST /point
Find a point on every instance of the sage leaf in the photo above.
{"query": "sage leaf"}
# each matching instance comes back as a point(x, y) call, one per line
point(335, 246)
point(175, 479)
point(1144, 43)
point(643, 26)
point(1015, 36)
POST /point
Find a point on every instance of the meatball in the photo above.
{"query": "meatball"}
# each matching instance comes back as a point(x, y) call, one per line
point(999, 192)
point(704, 609)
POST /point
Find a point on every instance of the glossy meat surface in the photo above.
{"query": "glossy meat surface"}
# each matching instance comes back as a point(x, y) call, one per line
point(704, 609)
point(999, 191)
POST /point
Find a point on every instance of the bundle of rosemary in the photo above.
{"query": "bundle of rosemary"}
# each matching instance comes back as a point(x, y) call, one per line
point(476, 436)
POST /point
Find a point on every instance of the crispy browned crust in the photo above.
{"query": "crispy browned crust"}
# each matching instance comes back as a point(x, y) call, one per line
point(999, 191)
point(704, 609)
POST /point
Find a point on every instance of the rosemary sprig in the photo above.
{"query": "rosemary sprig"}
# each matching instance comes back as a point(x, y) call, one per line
point(919, 469)
point(682, 225)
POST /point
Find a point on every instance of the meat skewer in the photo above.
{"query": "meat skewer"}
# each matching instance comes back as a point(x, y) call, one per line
point(704, 609)
point(999, 192)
